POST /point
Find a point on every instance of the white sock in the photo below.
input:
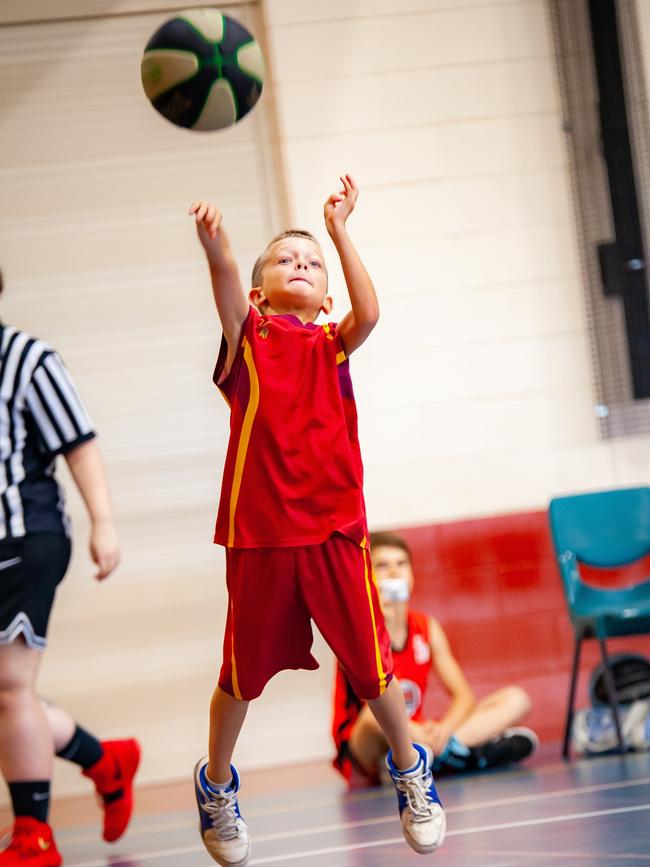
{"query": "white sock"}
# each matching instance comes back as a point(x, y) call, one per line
point(409, 772)
point(217, 787)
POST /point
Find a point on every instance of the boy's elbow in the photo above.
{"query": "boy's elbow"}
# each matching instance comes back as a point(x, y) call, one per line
point(367, 326)
point(371, 316)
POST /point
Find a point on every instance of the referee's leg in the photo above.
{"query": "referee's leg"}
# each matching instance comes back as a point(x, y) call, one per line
point(26, 747)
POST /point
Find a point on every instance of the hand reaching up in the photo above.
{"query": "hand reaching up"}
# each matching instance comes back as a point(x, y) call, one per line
point(208, 219)
point(340, 205)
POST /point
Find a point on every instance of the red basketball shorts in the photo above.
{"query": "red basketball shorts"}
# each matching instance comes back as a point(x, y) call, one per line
point(274, 593)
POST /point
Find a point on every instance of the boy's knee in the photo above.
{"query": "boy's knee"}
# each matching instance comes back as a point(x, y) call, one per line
point(12, 694)
point(519, 699)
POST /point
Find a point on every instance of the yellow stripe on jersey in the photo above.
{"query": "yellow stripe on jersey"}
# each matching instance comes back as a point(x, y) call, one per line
point(340, 358)
point(233, 664)
point(244, 437)
point(367, 573)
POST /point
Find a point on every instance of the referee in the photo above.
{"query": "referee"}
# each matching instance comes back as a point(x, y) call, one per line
point(41, 417)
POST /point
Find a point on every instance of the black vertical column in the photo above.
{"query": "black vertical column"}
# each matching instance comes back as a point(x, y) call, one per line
point(622, 262)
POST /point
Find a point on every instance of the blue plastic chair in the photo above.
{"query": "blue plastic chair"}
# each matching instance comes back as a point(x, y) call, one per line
point(608, 529)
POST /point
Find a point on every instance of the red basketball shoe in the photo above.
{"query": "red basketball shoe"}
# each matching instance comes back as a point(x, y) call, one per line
point(32, 845)
point(113, 778)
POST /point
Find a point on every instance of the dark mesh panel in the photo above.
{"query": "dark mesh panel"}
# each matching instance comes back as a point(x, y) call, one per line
point(184, 102)
point(245, 89)
point(611, 214)
point(177, 32)
point(234, 36)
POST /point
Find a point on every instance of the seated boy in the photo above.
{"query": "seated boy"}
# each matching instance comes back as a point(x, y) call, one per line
point(469, 735)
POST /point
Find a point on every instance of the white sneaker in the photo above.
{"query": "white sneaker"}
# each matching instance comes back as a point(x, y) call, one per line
point(423, 819)
point(635, 726)
point(594, 730)
point(221, 826)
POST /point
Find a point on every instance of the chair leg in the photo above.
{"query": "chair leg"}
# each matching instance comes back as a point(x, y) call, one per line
point(572, 695)
point(611, 692)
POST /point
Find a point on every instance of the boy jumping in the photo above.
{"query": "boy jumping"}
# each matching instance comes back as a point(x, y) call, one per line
point(292, 514)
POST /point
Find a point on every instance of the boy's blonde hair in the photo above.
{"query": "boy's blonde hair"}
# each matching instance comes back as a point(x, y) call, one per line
point(258, 267)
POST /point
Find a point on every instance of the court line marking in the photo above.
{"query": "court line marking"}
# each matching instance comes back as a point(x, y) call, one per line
point(374, 844)
point(361, 797)
point(378, 820)
point(480, 829)
point(594, 856)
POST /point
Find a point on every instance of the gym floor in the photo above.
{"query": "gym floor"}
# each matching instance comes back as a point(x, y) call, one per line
point(588, 812)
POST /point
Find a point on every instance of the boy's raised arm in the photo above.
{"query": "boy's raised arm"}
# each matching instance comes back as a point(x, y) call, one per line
point(355, 327)
point(229, 295)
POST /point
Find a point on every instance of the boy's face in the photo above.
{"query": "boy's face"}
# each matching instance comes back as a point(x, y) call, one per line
point(394, 575)
point(294, 279)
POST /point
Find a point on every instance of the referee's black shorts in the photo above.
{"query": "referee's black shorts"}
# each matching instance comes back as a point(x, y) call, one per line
point(30, 570)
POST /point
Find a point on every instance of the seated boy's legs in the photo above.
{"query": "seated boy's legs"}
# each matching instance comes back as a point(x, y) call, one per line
point(485, 739)
point(490, 736)
point(498, 711)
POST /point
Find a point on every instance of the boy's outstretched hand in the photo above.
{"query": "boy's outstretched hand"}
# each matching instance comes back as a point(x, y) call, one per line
point(340, 205)
point(208, 218)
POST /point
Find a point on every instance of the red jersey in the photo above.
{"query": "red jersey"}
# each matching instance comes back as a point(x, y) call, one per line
point(411, 666)
point(293, 473)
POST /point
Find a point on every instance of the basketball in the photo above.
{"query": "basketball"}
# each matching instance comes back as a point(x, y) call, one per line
point(202, 70)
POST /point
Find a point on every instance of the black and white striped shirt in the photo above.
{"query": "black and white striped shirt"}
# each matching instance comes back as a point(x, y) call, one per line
point(41, 416)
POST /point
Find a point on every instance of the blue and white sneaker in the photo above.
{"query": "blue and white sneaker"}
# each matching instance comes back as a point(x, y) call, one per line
point(222, 828)
point(420, 809)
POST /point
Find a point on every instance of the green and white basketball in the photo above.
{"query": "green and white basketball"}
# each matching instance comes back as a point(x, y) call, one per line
point(202, 70)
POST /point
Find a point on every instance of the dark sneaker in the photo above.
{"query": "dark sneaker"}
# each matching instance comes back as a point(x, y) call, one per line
point(222, 828)
point(423, 819)
point(513, 746)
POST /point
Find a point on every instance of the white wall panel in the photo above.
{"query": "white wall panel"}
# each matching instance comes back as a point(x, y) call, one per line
point(290, 12)
point(37, 10)
point(404, 98)
point(520, 311)
point(508, 480)
point(452, 207)
point(507, 145)
point(442, 38)
point(432, 376)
